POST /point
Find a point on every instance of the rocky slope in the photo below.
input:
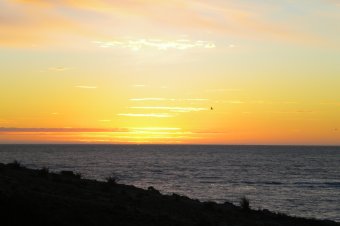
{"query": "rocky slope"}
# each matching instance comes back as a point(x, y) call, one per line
point(38, 197)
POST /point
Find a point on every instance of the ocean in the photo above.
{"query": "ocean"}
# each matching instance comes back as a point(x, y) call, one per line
point(296, 180)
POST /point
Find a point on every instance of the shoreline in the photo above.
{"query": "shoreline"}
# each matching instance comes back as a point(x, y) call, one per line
point(40, 197)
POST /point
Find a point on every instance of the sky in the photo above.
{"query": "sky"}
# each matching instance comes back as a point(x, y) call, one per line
point(170, 71)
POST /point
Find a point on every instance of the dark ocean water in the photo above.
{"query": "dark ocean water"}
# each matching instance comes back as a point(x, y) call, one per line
point(298, 180)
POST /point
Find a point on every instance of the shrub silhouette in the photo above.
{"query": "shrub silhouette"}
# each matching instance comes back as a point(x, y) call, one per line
point(244, 203)
point(15, 164)
point(113, 179)
point(78, 175)
point(153, 190)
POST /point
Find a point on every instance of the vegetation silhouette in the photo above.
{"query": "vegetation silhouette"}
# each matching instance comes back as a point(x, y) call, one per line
point(41, 197)
point(245, 203)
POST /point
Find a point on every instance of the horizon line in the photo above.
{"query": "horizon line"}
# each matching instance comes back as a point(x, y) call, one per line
point(175, 144)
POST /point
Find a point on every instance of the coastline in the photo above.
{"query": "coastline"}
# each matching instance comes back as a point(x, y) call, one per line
point(39, 197)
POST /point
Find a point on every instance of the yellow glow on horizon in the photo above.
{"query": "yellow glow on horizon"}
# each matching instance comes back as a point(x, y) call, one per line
point(217, 72)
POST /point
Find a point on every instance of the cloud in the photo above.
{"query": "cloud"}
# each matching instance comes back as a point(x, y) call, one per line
point(233, 102)
point(333, 2)
point(86, 87)
point(173, 109)
point(273, 102)
point(61, 130)
point(4, 121)
point(152, 115)
point(222, 90)
point(25, 25)
point(139, 44)
point(330, 103)
point(210, 132)
point(60, 69)
point(156, 129)
point(27, 22)
point(288, 102)
point(258, 102)
point(294, 112)
point(196, 99)
point(149, 99)
point(167, 99)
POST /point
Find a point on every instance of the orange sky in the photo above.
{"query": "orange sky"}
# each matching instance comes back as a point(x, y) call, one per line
point(146, 71)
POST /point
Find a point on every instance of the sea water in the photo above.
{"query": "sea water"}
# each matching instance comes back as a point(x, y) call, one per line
point(296, 180)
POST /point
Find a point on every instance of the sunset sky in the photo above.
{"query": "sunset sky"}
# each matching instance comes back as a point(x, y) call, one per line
point(149, 71)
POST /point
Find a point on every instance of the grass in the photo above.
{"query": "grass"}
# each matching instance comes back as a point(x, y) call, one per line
point(113, 179)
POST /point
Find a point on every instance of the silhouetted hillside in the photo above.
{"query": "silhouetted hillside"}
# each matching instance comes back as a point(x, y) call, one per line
point(38, 197)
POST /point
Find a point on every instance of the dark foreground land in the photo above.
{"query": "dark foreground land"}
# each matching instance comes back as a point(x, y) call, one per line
point(38, 197)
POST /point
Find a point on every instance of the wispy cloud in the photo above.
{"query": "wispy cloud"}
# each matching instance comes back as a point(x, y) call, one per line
point(152, 115)
point(155, 128)
point(233, 102)
point(3, 121)
point(60, 69)
point(273, 102)
point(259, 102)
point(86, 87)
point(139, 44)
point(158, 131)
point(289, 102)
point(196, 99)
point(28, 25)
point(222, 90)
point(294, 112)
point(167, 99)
point(173, 109)
point(210, 132)
point(330, 103)
point(61, 130)
point(150, 99)
point(333, 2)
point(38, 21)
